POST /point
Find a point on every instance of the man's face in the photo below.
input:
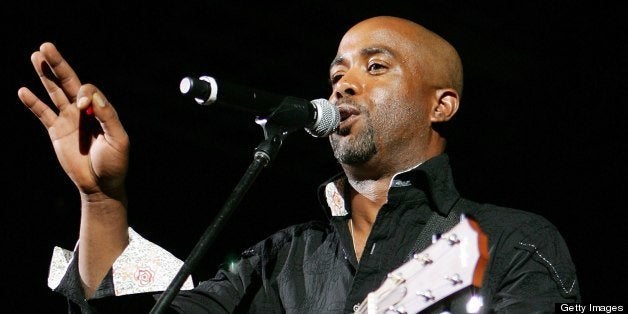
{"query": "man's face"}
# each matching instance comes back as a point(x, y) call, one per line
point(377, 86)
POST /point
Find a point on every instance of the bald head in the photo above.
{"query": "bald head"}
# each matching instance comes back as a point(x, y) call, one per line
point(436, 60)
point(395, 83)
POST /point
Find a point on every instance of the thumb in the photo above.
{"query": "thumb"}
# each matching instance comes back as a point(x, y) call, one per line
point(106, 114)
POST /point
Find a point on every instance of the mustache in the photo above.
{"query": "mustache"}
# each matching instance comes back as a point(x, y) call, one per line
point(350, 105)
point(349, 102)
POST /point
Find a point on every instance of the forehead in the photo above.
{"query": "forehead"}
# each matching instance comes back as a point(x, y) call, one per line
point(398, 42)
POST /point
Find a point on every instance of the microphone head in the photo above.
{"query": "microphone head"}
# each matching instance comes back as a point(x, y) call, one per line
point(203, 89)
point(327, 118)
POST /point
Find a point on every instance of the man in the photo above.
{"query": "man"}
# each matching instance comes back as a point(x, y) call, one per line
point(394, 83)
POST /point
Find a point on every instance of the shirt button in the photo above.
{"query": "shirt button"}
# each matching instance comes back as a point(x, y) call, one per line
point(356, 307)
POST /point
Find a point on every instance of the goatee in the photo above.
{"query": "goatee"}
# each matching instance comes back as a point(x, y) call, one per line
point(360, 149)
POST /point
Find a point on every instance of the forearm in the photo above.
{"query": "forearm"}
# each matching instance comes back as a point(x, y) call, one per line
point(103, 237)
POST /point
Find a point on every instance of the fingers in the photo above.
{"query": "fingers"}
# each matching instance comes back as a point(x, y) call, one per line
point(56, 75)
point(37, 107)
point(64, 88)
point(90, 97)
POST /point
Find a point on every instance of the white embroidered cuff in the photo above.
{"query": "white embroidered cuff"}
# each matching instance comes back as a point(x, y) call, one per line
point(142, 267)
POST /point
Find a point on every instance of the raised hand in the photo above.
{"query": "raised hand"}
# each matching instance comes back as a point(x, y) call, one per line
point(89, 140)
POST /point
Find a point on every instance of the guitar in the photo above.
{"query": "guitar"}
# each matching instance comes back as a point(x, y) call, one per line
point(455, 260)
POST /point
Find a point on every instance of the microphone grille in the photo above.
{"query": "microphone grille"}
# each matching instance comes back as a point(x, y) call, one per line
point(327, 118)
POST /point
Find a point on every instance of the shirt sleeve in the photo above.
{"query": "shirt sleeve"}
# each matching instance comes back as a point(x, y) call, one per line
point(142, 267)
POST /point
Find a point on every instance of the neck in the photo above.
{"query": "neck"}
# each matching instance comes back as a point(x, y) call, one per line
point(367, 197)
point(370, 182)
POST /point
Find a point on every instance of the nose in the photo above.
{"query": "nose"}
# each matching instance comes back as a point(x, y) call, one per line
point(348, 85)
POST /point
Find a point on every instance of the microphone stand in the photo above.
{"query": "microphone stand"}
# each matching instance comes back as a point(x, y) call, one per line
point(265, 152)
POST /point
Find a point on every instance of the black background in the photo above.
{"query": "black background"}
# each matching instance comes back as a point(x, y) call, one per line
point(540, 126)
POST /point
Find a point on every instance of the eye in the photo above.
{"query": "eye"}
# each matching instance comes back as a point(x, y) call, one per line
point(376, 68)
point(335, 78)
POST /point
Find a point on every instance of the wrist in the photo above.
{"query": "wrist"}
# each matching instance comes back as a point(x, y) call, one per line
point(112, 196)
point(104, 207)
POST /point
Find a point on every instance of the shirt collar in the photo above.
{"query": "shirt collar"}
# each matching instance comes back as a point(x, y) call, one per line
point(433, 176)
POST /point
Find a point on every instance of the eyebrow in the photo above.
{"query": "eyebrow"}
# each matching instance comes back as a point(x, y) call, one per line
point(369, 51)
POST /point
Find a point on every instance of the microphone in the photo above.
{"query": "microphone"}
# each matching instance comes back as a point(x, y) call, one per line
point(318, 117)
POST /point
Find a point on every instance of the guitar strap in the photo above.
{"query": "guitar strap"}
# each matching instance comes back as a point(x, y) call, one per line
point(438, 224)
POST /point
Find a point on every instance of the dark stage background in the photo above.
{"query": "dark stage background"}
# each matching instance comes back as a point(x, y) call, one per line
point(540, 126)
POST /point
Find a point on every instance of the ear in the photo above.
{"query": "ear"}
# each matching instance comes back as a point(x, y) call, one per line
point(446, 106)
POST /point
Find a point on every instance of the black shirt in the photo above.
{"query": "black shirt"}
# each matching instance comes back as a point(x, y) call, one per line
point(312, 268)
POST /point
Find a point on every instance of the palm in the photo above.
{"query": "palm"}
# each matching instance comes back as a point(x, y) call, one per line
point(77, 163)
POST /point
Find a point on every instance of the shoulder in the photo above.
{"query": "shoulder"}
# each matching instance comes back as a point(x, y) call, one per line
point(511, 230)
point(500, 221)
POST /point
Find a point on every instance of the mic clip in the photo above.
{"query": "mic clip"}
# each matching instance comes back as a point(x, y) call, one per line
point(274, 135)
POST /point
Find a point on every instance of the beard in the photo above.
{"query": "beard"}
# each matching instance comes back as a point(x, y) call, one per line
point(358, 150)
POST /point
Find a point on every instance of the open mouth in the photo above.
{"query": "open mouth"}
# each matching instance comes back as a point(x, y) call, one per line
point(347, 111)
point(348, 114)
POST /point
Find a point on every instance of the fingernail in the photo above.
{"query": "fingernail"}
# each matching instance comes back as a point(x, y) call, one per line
point(98, 100)
point(82, 102)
